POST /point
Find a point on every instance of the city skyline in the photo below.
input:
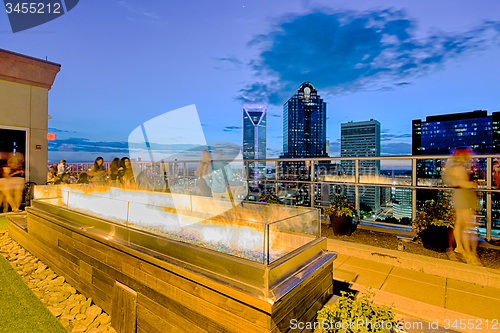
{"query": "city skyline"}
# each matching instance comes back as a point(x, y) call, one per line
point(406, 58)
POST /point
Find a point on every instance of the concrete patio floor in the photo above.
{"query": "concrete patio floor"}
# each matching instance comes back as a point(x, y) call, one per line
point(421, 287)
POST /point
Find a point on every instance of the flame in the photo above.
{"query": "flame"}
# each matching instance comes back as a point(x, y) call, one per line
point(173, 216)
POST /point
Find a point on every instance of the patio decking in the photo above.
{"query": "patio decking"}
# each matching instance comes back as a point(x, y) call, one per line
point(419, 286)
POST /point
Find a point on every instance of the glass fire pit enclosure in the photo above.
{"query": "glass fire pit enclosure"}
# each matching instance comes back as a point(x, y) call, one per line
point(255, 246)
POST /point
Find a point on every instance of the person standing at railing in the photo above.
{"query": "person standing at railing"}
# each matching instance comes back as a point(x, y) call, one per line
point(113, 171)
point(201, 172)
point(220, 174)
point(125, 173)
point(457, 175)
point(98, 172)
point(62, 168)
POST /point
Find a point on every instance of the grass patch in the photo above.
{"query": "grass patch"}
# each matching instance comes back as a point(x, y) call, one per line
point(20, 309)
point(4, 222)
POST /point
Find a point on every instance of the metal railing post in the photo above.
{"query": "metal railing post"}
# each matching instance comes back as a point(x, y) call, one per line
point(276, 177)
point(356, 182)
point(489, 174)
point(311, 184)
point(413, 190)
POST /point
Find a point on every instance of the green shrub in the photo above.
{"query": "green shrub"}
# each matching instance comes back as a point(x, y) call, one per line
point(340, 207)
point(348, 315)
point(270, 198)
point(438, 212)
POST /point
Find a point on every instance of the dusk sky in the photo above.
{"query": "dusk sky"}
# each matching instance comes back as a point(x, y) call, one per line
point(126, 62)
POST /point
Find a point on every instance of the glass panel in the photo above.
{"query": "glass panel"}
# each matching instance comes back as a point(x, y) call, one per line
point(292, 233)
point(495, 214)
point(97, 204)
point(429, 172)
point(236, 237)
point(481, 213)
point(287, 192)
point(294, 170)
point(395, 172)
point(340, 171)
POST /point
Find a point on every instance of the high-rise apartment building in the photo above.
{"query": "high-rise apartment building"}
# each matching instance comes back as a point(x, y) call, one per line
point(362, 139)
point(304, 124)
point(439, 135)
point(255, 138)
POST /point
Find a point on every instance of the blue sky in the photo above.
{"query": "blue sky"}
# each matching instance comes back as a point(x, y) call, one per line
point(125, 62)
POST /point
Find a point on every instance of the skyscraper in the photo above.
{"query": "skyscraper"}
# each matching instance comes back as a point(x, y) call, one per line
point(255, 138)
point(304, 124)
point(439, 135)
point(362, 139)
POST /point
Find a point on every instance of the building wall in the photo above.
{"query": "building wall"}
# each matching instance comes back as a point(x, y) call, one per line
point(361, 139)
point(24, 86)
point(25, 107)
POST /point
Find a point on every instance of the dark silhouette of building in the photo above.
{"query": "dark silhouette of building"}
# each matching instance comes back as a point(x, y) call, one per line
point(439, 135)
point(304, 124)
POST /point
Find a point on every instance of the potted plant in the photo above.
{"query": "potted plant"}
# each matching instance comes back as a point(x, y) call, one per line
point(366, 316)
point(341, 214)
point(434, 224)
point(270, 198)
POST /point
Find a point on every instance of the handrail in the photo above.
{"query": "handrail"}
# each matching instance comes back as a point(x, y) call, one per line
point(312, 178)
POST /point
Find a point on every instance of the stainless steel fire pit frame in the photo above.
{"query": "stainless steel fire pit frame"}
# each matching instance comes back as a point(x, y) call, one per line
point(263, 281)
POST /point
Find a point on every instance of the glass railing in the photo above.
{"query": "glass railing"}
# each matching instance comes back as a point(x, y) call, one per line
point(388, 191)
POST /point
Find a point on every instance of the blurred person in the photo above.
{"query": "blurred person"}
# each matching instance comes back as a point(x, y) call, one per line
point(113, 171)
point(82, 178)
point(13, 183)
point(201, 172)
point(496, 174)
point(5, 197)
point(72, 177)
point(221, 174)
point(457, 175)
point(98, 172)
point(64, 179)
point(125, 173)
point(62, 168)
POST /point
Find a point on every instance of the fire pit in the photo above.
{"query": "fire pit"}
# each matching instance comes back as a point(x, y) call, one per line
point(268, 257)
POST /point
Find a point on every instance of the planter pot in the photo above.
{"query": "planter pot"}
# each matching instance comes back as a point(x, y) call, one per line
point(342, 225)
point(437, 238)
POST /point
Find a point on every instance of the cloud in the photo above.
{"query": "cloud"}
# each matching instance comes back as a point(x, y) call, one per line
point(276, 115)
point(133, 7)
point(81, 144)
point(55, 130)
point(232, 60)
point(396, 148)
point(273, 153)
point(231, 128)
point(345, 52)
point(390, 136)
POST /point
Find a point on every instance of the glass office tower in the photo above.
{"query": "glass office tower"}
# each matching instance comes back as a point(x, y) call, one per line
point(304, 124)
point(255, 138)
point(362, 139)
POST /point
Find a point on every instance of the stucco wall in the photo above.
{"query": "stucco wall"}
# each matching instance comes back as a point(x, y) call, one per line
point(26, 107)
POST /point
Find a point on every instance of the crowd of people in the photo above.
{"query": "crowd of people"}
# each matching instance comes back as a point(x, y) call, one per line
point(214, 178)
point(12, 182)
point(119, 173)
